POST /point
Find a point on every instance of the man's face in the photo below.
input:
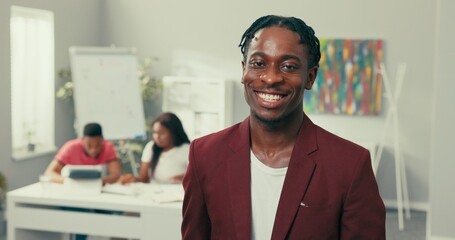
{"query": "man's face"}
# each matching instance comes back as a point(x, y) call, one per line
point(92, 145)
point(275, 74)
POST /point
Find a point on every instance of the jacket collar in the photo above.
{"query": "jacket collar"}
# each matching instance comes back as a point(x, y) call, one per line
point(239, 180)
point(298, 176)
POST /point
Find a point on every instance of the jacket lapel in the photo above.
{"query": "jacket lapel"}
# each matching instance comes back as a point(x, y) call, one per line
point(239, 178)
point(298, 177)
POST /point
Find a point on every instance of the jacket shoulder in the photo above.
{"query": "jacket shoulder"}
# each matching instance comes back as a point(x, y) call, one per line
point(216, 139)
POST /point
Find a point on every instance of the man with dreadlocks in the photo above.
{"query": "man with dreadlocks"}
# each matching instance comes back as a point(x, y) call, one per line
point(276, 175)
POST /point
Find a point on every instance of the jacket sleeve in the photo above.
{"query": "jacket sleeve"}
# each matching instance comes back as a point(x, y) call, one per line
point(364, 212)
point(196, 222)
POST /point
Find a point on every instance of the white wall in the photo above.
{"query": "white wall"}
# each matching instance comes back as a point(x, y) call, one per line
point(442, 194)
point(5, 86)
point(200, 38)
point(76, 23)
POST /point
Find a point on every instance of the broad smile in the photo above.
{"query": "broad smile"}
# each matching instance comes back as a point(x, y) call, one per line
point(269, 97)
point(270, 100)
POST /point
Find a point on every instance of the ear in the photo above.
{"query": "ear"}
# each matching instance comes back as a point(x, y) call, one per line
point(311, 77)
point(243, 70)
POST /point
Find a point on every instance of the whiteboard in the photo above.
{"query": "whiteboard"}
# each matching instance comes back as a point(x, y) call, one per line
point(107, 91)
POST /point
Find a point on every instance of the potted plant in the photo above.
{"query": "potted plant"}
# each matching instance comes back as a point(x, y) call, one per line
point(65, 92)
point(29, 133)
point(150, 86)
point(3, 189)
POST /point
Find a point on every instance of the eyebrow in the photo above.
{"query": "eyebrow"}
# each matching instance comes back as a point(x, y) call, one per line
point(284, 57)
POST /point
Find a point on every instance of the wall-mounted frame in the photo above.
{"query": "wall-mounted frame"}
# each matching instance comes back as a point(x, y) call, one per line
point(348, 80)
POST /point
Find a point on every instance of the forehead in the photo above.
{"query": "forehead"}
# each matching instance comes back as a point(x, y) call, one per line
point(92, 140)
point(157, 126)
point(276, 41)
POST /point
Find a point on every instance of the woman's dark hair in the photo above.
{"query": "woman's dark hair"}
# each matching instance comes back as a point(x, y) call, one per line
point(173, 123)
point(297, 25)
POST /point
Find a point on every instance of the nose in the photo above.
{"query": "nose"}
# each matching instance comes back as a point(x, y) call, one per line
point(272, 75)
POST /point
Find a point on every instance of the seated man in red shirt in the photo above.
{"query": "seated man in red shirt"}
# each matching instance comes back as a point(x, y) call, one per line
point(91, 149)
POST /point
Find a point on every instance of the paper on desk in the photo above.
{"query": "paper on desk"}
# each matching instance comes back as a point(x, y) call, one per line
point(155, 192)
point(166, 197)
point(117, 188)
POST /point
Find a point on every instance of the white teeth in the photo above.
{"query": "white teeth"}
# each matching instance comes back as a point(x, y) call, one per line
point(270, 97)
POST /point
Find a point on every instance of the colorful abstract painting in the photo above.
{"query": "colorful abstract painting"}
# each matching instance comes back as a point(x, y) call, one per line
point(348, 80)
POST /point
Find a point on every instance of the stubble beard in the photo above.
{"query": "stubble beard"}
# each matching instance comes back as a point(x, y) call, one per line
point(271, 122)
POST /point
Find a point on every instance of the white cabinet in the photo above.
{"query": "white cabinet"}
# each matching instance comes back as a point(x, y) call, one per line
point(204, 105)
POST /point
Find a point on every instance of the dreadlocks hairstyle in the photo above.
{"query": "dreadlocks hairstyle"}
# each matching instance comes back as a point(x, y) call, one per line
point(173, 123)
point(297, 25)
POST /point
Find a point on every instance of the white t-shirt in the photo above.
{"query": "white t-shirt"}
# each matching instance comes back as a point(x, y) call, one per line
point(171, 163)
point(266, 185)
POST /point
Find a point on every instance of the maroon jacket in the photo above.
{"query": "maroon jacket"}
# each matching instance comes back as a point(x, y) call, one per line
point(329, 191)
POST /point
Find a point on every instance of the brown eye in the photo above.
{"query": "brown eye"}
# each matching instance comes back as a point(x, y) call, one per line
point(289, 67)
point(256, 64)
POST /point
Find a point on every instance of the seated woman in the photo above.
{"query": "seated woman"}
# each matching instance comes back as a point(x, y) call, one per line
point(165, 158)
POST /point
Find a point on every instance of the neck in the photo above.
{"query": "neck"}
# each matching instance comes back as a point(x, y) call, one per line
point(273, 143)
point(168, 148)
point(286, 127)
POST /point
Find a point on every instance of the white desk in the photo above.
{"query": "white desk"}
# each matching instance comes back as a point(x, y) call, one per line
point(34, 213)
